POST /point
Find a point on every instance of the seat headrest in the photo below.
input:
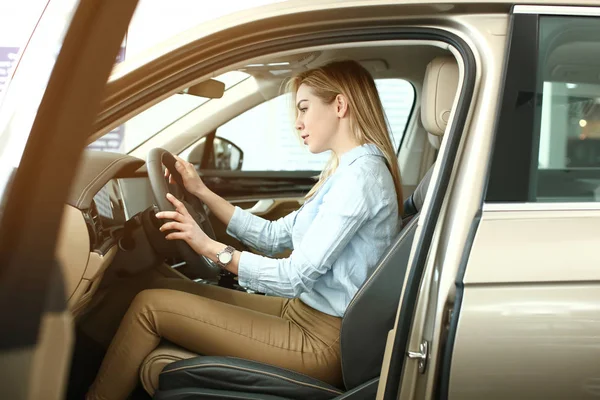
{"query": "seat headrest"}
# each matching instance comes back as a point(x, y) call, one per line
point(439, 89)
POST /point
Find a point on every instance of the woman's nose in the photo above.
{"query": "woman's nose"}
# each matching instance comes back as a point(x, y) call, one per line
point(299, 124)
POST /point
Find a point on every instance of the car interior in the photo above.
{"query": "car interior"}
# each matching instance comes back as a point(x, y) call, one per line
point(109, 236)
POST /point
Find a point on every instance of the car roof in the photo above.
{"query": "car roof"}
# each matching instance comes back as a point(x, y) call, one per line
point(167, 58)
point(343, 9)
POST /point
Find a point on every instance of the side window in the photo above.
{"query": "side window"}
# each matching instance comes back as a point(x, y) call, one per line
point(551, 153)
point(269, 142)
point(569, 114)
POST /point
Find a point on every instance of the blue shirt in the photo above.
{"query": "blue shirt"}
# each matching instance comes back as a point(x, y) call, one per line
point(337, 236)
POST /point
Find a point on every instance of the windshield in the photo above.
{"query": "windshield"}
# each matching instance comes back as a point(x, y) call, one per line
point(148, 123)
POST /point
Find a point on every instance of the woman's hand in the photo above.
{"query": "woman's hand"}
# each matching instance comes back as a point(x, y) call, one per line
point(188, 229)
point(192, 182)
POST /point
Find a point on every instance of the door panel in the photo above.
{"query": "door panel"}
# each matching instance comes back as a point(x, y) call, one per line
point(271, 209)
point(234, 185)
point(535, 341)
point(270, 195)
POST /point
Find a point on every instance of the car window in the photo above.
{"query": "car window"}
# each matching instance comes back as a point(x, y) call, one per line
point(143, 126)
point(269, 142)
point(569, 114)
point(551, 152)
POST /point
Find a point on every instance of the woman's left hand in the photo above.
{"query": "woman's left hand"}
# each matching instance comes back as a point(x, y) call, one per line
point(188, 229)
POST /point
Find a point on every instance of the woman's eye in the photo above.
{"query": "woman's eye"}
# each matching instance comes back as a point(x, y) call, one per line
point(303, 110)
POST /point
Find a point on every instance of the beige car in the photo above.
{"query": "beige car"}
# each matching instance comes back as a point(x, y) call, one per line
point(489, 292)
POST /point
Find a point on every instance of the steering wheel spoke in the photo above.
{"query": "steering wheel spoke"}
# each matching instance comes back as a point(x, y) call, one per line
point(203, 266)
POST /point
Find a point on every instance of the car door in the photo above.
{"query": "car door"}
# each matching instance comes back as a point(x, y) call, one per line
point(48, 108)
point(526, 324)
point(507, 307)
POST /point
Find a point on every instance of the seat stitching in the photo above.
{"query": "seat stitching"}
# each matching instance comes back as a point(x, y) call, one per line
point(241, 334)
point(255, 371)
point(230, 395)
point(145, 370)
point(280, 368)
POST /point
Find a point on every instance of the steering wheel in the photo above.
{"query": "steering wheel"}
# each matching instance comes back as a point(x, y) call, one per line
point(204, 266)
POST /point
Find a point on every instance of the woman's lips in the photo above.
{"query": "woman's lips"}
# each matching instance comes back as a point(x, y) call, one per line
point(304, 137)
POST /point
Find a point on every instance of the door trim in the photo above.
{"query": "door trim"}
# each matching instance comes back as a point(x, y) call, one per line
point(429, 218)
point(445, 364)
point(558, 10)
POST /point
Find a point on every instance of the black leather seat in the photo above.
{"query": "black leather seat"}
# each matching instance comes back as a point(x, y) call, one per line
point(242, 376)
point(368, 319)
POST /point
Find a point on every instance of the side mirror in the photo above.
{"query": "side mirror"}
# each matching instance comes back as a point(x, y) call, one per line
point(227, 156)
point(222, 155)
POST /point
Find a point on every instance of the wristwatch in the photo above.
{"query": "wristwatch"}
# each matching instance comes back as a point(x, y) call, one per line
point(225, 256)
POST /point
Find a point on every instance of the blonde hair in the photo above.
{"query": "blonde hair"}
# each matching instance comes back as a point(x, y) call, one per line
point(367, 119)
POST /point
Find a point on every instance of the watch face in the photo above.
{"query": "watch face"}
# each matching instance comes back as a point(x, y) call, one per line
point(224, 257)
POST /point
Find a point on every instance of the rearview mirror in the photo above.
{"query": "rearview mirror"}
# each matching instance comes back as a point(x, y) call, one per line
point(211, 89)
point(222, 155)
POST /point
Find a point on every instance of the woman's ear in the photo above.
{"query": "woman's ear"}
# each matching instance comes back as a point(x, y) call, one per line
point(341, 105)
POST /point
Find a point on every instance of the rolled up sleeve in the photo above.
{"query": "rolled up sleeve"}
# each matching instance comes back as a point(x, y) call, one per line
point(268, 237)
point(343, 211)
point(238, 223)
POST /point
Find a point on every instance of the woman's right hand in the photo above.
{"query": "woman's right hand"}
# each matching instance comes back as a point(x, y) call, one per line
point(191, 180)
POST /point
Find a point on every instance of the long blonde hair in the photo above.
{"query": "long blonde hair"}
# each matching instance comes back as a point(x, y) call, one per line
point(367, 119)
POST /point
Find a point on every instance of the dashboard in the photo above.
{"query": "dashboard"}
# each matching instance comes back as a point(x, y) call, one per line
point(105, 214)
point(115, 203)
point(108, 192)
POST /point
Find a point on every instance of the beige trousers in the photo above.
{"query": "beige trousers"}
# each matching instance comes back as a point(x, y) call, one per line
point(215, 321)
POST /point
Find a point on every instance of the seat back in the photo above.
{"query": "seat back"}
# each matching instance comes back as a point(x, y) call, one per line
point(371, 313)
point(415, 201)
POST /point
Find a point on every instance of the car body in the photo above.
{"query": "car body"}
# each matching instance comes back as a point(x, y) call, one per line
point(501, 294)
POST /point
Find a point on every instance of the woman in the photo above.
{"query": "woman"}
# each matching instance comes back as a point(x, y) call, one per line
point(347, 221)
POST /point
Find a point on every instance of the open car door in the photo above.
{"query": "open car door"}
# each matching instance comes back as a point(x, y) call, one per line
point(46, 116)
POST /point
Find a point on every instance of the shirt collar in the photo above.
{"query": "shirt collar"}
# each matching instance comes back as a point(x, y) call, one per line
point(366, 149)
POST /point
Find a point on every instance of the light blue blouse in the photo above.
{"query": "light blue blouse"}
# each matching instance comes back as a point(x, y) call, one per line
point(337, 236)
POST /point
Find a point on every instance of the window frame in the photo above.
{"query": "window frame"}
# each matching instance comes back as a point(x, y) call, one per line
point(410, 116)
point(506, 181)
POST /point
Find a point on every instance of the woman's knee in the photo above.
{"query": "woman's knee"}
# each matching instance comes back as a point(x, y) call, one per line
point(143, 307)
point(168, 300)
point(146, 300)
